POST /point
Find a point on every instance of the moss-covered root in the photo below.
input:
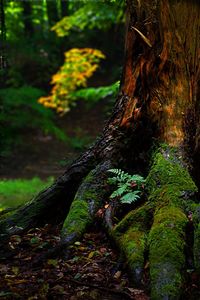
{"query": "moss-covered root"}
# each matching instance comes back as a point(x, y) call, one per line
point(130, 235)
point(170, 189)
point(196, 219)
point(87, 201)
point(166, 253)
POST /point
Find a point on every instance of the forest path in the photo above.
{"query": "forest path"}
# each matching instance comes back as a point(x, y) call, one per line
point(44, 155)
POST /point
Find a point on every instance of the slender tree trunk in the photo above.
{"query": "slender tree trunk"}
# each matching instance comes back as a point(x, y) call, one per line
point(64, 8)
point(27, 18)
point(3, 63)
point(52, 12)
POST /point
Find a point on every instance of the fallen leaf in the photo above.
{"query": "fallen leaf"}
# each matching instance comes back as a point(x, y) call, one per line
point(91, 254)
point(15, 270)
point(77, 243)
point(117, 275)
point(52, 262)
point(77, 276)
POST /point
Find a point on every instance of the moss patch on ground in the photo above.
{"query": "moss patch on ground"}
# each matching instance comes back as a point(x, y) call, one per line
point(15, 192)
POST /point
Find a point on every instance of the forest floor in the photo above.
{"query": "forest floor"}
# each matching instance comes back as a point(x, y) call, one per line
point(91, 268)
point(44, 155)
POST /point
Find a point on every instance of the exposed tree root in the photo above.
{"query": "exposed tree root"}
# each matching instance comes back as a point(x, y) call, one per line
point(196, 246)
point(157, 227)
point(88, 199)
point(170, 189)
point(131, 235)
point(57, 199)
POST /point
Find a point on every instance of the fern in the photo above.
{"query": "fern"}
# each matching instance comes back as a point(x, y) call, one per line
point(129, 187)
point(130, 197)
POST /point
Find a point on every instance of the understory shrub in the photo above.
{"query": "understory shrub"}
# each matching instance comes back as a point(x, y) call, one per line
point(20, 111)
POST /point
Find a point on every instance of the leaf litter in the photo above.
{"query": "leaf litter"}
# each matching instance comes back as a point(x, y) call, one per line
point(91, 269)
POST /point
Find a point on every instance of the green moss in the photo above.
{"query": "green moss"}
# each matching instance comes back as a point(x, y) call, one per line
point(23, 216)
point(78, 217)
point(141, 216)
point(87, 201)
point(166, 252)
point(168, 170)
point(170, 188)
point(196, 248)
point(131, 235)
point(133, 244)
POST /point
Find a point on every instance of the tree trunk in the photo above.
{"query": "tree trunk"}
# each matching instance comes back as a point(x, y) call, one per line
point(27, 18)
point(157, 102)
point(52, 12)
point(3, 63)
point(64, 8)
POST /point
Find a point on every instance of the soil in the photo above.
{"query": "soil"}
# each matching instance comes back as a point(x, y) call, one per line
point(90, 270)
point(44, 155)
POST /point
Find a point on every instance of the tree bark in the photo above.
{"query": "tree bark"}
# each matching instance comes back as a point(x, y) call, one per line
point(64, 8)
point(27, 18)
point(52, 12)
point(3, 63)
point(158, 101)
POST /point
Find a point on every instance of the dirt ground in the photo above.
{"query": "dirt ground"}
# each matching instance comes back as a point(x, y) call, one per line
point(44, 155)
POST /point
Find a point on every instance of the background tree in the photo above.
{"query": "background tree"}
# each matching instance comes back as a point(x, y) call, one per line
point(27, 17)
point(158, 101)
point(2, 36)
point(52, 12)
point(64, 7)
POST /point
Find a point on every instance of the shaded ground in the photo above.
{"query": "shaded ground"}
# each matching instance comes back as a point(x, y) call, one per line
point(44, 155)
point(90, 270)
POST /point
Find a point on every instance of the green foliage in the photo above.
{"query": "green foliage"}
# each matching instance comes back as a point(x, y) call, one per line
point(13, 14)
point(18, 191)
point(33, 61)
point(79, 142)
point(129, 187)
point(21, 111)
point(79, 65)
point(93, 95)
point(91, 14)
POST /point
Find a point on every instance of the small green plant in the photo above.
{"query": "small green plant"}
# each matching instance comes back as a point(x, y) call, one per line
point(129, 187)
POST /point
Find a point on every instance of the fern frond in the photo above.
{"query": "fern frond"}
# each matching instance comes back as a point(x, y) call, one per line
point(120, 191)
point(126, 183)
point(130, 197)
point(137, 178)
point(121, 176)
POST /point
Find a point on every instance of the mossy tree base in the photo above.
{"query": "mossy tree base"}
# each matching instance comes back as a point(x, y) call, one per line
point(159, 226)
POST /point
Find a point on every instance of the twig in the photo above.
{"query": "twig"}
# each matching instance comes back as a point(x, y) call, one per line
point(113, 291)
point(145, 39)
